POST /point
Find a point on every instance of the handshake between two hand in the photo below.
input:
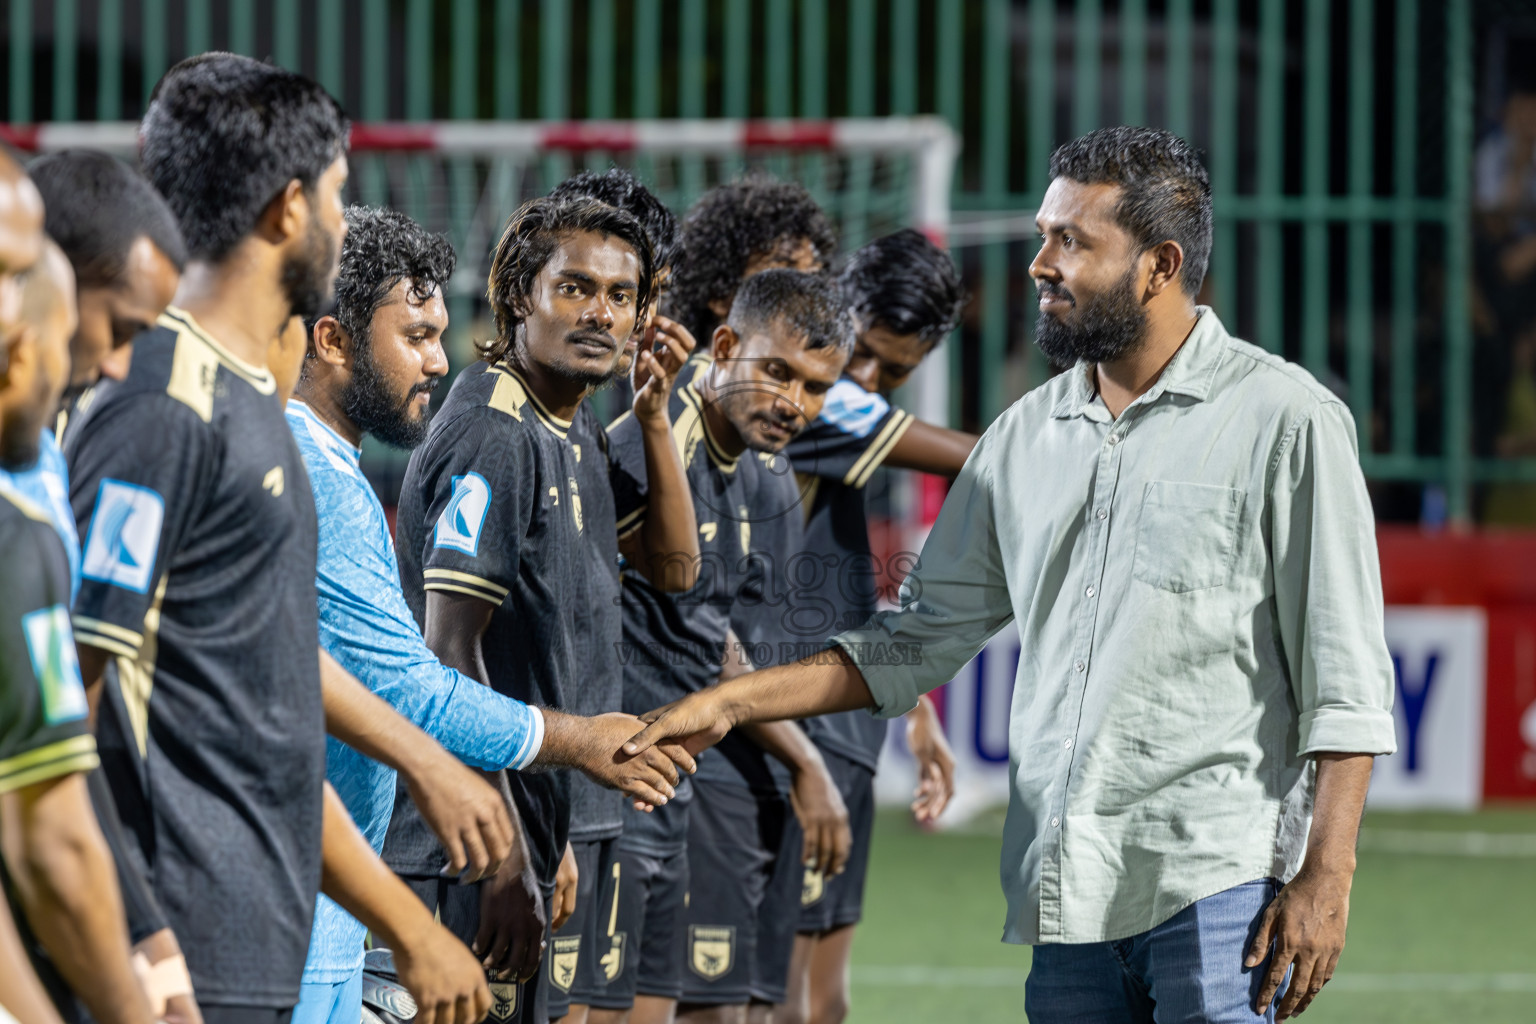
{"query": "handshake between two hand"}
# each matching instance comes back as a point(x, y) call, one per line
point(642, 757)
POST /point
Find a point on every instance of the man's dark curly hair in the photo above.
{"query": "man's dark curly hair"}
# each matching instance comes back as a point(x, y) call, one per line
point(725, 229)
point(1165, 192)
point(383, 248)
point(618, 187)
point(906, 284)
point(225, 134)
point(809, 304)
point(531, 237)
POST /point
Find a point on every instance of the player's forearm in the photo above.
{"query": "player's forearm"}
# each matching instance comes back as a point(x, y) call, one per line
point(931, 449)
point(787, 743)
point(93, 671)
point(21, 994)
point(818, 685)
point(1337, 807)
point(353, 875)
point(67, 887)
point(669, 536)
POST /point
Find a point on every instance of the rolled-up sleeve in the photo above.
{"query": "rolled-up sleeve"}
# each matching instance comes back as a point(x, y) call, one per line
point(1327, 581)
point(952, 602)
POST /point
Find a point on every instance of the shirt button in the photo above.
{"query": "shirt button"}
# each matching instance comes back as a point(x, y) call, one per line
point(1090, 591)
point(1066, 744)
point(1114, 438)
point(1055, 822)
point(1079, 666)
point(1102, 513)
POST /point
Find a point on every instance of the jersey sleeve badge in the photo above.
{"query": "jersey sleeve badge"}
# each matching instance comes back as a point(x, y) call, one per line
point(124, 536)
point(52, 648)
point(459, 525)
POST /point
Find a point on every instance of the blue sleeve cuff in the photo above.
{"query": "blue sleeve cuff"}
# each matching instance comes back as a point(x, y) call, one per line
point(532, 743)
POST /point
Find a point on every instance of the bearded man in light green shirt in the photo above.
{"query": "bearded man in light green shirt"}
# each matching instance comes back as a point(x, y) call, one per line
point(1179, 526)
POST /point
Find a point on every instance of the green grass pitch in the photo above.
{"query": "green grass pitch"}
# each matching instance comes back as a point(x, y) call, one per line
point(1442, 925)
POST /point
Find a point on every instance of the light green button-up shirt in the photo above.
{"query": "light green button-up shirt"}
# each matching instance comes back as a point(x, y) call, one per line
point(1199, 601)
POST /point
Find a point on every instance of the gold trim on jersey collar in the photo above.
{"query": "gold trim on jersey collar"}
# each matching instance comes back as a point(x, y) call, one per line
point(725, 463)
point(179, 320)
point(556, 425)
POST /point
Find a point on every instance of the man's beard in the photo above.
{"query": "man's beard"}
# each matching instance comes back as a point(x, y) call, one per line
point(580, 375)
point(1105, 328)
point(306, 276)
point(368, 402)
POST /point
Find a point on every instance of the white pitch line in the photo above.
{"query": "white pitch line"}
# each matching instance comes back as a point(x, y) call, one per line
point(1448, 844)
point(920, 976)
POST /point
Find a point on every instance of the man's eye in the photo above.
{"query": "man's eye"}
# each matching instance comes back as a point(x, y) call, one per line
point(622, 298)
point(569, 289)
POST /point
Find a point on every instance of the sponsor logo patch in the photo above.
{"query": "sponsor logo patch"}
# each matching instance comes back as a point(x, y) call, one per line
point(124, 536)
point(562, 962)
point(711, 950)
point(52, 647)
point(503, 1000)
point(459, 525)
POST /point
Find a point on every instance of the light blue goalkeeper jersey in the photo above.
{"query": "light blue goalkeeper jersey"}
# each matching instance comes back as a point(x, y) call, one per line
point(366, 626)
point(46, 485)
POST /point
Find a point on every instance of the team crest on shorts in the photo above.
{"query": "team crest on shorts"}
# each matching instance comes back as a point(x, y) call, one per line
point(503, 1000)
point(813, 887)
point(562, 962)
point(613, 960)
point(711, 950)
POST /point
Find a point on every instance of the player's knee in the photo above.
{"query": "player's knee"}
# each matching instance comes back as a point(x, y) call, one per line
point(792, 1012)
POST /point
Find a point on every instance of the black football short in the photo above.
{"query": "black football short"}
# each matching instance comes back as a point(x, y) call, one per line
point(571, 962)
point(638, 943)
point(743, 896)
point(828, 903)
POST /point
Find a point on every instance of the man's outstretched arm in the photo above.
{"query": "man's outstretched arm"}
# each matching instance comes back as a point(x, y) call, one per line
point(825, 682)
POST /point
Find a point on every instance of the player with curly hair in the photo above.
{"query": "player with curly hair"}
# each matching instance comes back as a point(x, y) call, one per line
point(735, 231)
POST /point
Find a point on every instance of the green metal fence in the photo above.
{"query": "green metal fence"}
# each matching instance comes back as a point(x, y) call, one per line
point(1338, 132)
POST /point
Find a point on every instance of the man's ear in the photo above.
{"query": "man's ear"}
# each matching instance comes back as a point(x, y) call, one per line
point(286, 215)
point(330, 343)
point(723, 343)
point(1167, 260)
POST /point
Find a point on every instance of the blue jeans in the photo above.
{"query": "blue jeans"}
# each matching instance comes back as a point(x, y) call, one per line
point(338, 1003)
point(1187, 970)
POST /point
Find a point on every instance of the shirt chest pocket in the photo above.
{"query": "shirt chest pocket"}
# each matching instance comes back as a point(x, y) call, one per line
point(1186, 538)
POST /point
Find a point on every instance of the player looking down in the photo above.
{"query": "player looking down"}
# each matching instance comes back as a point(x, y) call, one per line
point(127, 251)
point(490, 530)
point(1204, 684)
point(199, 563)
point(904, 296)
point(720, 949)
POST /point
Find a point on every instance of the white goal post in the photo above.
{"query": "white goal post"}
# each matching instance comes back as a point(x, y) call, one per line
point(491, 157)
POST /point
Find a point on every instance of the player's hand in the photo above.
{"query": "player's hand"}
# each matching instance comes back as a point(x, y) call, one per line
point(696, 723)
point(823, 819)
point(935, 762)
point(1306, 924)
point(464, 811)
point(593, 745)
point(443, 978)
point(654, 374)
point(566, 879)
point(510, 940)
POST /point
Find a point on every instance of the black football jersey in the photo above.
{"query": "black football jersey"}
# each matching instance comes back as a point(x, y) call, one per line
point(198, 576)
point(491, 508)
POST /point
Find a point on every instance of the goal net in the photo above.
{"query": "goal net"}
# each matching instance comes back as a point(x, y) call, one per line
point(464, 178)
